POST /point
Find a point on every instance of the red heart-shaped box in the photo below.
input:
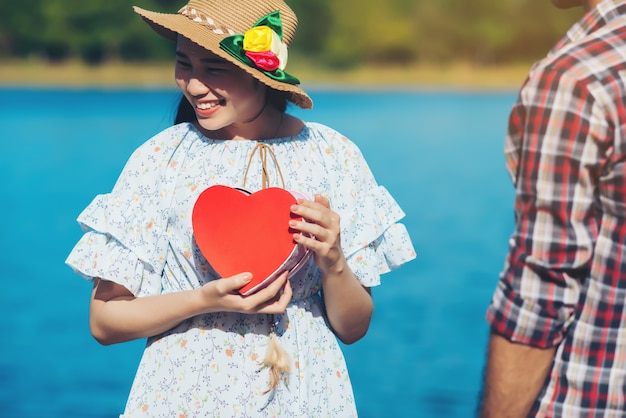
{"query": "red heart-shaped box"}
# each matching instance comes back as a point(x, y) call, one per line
point(238, 231)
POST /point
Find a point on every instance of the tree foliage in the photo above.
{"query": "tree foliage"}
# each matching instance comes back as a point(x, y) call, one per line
point(335, 33)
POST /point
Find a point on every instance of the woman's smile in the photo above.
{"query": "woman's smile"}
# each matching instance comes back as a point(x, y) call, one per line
point(208, 108)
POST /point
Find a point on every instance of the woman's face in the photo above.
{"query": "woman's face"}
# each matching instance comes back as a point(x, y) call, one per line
point(222, 95)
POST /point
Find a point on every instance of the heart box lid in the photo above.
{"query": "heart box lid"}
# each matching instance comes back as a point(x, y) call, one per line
point(239, 231)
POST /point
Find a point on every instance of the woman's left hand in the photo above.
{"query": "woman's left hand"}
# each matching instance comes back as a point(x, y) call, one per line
point(322, 226)
point(348, 304)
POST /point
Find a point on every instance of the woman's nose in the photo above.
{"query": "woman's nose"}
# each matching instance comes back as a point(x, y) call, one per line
point(196, 87)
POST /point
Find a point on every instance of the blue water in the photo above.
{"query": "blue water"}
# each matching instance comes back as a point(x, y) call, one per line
point(439, 153)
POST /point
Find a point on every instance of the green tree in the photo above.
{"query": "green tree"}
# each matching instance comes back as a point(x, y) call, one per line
point(334, 33)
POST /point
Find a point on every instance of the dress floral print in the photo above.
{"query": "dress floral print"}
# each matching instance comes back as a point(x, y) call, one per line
point(140, 236)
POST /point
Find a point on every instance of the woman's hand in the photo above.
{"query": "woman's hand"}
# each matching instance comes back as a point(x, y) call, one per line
point(348, 304)
point(116, 315)
point(221, 295)
point(323, 227)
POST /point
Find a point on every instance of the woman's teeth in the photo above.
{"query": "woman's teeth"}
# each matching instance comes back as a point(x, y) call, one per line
point(205, 106)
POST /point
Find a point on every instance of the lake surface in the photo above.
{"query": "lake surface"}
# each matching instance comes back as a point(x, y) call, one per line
point(440, 154)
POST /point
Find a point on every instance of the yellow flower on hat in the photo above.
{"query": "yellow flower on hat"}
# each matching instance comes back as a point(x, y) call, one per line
point(260, 39)
point(263, 41)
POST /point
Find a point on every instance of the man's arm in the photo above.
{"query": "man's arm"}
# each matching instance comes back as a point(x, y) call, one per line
point(514, 376)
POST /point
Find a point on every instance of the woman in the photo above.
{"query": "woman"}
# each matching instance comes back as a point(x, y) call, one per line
point(210, 349)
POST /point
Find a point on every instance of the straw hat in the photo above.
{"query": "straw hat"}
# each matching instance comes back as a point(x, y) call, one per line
point(252, 34)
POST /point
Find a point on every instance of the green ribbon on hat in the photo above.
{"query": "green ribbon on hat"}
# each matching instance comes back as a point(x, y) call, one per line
point(234, 46)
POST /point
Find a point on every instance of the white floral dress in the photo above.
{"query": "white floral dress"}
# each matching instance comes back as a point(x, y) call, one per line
point(140, 236)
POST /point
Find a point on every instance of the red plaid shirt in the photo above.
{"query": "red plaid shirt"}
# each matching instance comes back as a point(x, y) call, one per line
point(564, 280)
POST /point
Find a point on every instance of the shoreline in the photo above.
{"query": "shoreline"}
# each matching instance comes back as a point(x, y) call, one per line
point(39, 74)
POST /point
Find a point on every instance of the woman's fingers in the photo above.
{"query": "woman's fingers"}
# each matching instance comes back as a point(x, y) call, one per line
point(317, 211)
point(320, 221)
point(314, 230)
point(231, 284)
point(322, 201)
point(272, 290)
point(224, 293)
point(279, 303)
point(272, 299)
point(315, 242)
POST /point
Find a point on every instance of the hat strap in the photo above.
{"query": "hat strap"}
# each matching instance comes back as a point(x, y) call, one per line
point(266, 56)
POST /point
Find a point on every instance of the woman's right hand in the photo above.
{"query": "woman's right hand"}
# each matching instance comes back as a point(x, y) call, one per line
point(116, 315)
point(222, 295)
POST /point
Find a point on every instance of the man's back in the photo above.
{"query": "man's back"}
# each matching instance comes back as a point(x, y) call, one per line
point(562, 293)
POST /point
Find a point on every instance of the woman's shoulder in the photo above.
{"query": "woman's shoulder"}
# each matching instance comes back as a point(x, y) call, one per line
point(171, 137)
point(321, 129)
point(331, 137)
point(166, 142)
point(158, 151)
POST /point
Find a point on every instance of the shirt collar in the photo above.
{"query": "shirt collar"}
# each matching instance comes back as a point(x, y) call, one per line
point(598, 17)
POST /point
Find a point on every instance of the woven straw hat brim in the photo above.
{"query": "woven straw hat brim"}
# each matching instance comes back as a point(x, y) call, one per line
point(171, 25)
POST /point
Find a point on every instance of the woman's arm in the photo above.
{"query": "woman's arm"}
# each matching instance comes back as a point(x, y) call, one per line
point(117, 316)
point(349, 305)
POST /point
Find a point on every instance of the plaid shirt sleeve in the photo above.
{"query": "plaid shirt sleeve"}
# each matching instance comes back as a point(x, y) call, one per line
point(555, 150)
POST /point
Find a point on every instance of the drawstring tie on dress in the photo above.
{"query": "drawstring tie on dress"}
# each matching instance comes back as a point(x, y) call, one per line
point(263, 150)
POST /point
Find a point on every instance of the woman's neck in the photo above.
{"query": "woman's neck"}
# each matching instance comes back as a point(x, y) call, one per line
point(268, 124)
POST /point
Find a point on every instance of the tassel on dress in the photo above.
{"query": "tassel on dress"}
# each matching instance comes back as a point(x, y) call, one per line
point(277, 360)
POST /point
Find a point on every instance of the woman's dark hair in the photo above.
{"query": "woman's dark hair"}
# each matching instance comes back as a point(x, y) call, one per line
point(186, 113)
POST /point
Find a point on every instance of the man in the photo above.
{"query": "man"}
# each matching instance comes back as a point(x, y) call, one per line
point(558, 315)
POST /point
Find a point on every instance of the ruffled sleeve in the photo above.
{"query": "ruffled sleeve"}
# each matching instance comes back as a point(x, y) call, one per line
point(376, 242)
point(125, 238)
point(373, 239)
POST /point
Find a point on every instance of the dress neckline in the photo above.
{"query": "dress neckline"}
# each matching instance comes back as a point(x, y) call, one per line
point(202, 135)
